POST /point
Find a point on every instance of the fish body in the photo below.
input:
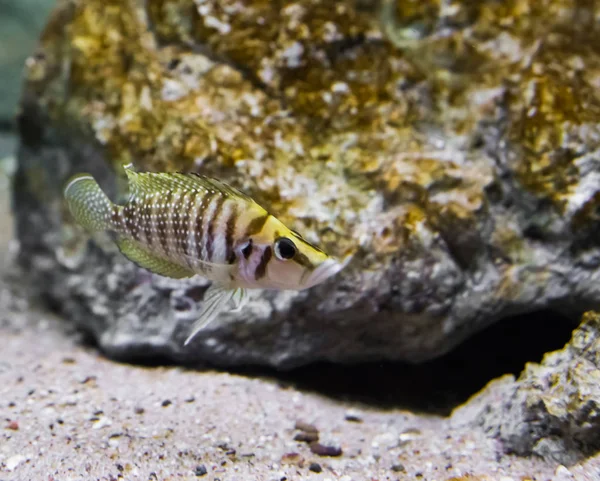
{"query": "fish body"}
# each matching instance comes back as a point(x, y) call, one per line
point(181, 225)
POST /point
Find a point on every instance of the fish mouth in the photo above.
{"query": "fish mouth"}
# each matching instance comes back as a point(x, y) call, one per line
point(325, 270)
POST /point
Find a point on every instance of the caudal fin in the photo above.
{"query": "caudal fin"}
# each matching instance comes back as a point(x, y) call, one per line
point(88, 204)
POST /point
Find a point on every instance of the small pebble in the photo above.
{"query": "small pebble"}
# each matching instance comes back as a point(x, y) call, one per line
point(306, 437)
point(166, 402)
point(12, 462)
point(14, 425)
point(307, 428)
point(88, 380)
point(321, 450)
point(353, 417)
point(227, 448)
point(293, 458)
point(408, 435)
point(563, 472)
point(200, 470)
point(315, 467)
point(101, 423)
point(139, 410)
point(398, 468)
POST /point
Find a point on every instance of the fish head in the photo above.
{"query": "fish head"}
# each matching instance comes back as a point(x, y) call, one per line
point(280, 258)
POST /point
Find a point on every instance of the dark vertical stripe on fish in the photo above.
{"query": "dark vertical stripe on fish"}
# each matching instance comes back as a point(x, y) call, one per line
point(154, 221)
point(256, 225)
point(184, 218)
point(212, 224)
point(204, 203)
point(130, 221)
point(116, 218)
point(190, 208)
point(229, 232)
point(261, 268)
point(181, 232)
point(146, 221)
point(163, 224)
point(176, 216)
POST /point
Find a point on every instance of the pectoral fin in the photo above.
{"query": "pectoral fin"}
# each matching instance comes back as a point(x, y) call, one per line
point(140, 256)
point(215, 301)
point(219, 273)
point(240, 298)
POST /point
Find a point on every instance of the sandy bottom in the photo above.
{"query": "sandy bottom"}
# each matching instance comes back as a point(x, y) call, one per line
point(68, 413)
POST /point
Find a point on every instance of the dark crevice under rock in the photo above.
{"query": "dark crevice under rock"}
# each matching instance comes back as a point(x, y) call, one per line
point(434, 387)
point(440, 385)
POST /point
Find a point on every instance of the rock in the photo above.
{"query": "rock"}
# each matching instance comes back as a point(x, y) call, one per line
point(460, 165)
point(553, 408)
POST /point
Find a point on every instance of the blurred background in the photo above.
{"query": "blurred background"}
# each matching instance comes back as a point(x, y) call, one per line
point(21, 22)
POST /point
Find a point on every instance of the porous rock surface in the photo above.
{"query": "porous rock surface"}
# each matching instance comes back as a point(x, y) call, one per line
point(453, 151)
point(553, 409)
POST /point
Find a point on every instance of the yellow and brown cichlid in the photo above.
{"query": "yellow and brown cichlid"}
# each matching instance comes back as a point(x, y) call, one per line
point(181, 225)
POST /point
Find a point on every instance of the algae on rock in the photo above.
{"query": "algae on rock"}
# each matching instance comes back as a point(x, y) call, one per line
point(459, 166)
point(553, 408)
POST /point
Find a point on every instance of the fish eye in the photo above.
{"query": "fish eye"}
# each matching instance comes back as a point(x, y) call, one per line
point(284, 248)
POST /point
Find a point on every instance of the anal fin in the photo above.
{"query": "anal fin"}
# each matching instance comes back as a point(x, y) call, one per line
point(140, 256)
point(215, 301)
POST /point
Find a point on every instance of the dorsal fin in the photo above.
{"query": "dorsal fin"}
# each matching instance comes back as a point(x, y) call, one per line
point(152, 182)
point(216, 184)
point(139, 183)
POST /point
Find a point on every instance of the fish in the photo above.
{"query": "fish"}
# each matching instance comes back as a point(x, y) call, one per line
point(180, 225)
